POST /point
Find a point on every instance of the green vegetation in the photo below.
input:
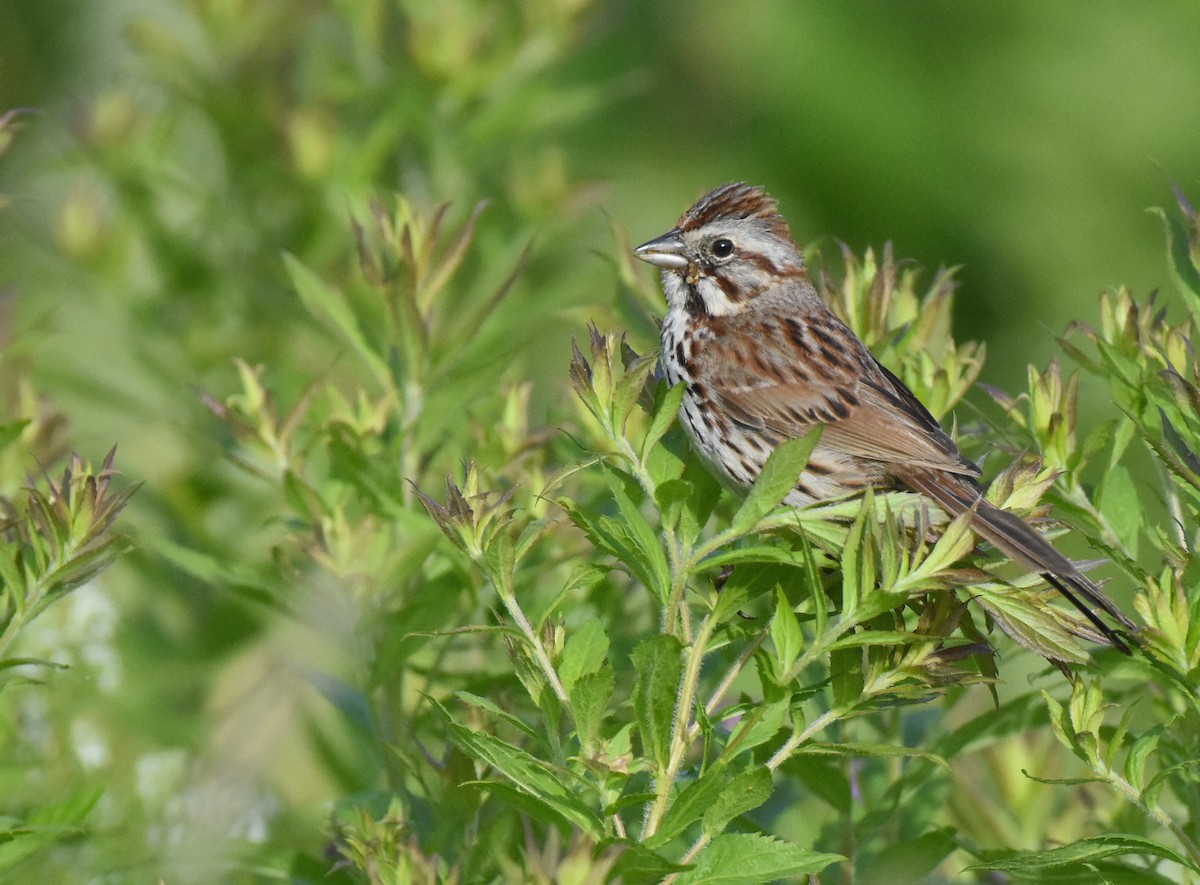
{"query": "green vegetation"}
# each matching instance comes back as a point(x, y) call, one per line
point(387, 581)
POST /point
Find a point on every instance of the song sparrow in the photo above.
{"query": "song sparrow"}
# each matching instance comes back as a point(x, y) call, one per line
point(764, 360)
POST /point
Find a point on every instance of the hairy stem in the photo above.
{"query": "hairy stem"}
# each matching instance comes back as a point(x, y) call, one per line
point(680, 728)
point(535, 643)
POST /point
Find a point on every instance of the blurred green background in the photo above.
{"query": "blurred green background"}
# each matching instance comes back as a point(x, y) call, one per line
point(1020, 140)
point(171, 152)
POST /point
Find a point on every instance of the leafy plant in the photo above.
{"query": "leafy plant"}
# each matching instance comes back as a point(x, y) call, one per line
point(54, 538)
point(685, 668)
point(419, 595)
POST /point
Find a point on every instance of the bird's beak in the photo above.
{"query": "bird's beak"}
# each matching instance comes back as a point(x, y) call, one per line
point(668, 250)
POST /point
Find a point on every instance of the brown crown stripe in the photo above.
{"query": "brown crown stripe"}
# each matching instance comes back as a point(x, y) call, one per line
point(735, 201)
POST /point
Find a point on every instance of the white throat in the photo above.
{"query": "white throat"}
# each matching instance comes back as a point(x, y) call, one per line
point(678, 291)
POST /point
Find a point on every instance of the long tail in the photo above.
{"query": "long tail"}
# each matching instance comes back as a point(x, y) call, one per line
point(1011, 534)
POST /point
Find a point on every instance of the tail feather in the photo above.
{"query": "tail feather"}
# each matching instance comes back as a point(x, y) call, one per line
point(1017, 539)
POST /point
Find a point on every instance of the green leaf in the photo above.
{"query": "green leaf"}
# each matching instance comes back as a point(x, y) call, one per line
point(861, 749)
point(614, 537)
point(1085, 851)
point(659, 667)
point(911, 860)
point(732, 596)
point(441, 273)
point(758, 553)
point(499, 561)
point(1117, 739)
point(1179, 259)
point(670, 460)
point(219, 571)
point(1135, 761)
point(584, 652)
point(1028, 620)
point(48, 823)
point(1177, 776)
point(761, 724)
point(778, 477)
point(627, 800)
point(858, 560)
point(672, 497)
point(1120, 506)
point(590, 696)
point(638, 865)
point(483, 703)
point(690, 804)
point(1066, 781)
point(470, 326)
point(743, 793)
point(664, 414)
point(862, 638)
point(812, 578)
point(325, 302)
point(11, 431)
point(751, 859)
point(846, 674)
point(9, 663)
point(785, 633)
point(534, 778)
point(535, 807)
point(956, 541)
point(651, 560)
point(823, 779)
point(526, 669)
point(708, 490)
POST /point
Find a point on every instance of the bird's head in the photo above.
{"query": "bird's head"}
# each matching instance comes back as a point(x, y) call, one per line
point(728, 248)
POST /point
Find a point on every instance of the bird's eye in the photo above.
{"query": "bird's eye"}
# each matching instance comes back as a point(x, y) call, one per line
point(722, 247)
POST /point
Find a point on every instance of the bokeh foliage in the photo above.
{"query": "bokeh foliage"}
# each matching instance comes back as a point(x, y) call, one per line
point(304, 262)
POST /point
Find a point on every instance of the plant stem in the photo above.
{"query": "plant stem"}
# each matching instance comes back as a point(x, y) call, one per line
point(680, 730)
point(727, 682)
point(873, 687)
point(678, 556)
point(539, 651)
point(791, 744)
point(1161, 817)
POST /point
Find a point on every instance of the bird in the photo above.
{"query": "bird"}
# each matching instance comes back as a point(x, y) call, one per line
point(763, 360)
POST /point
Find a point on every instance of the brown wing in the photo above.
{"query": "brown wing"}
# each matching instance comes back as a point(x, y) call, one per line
point(798, 377)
